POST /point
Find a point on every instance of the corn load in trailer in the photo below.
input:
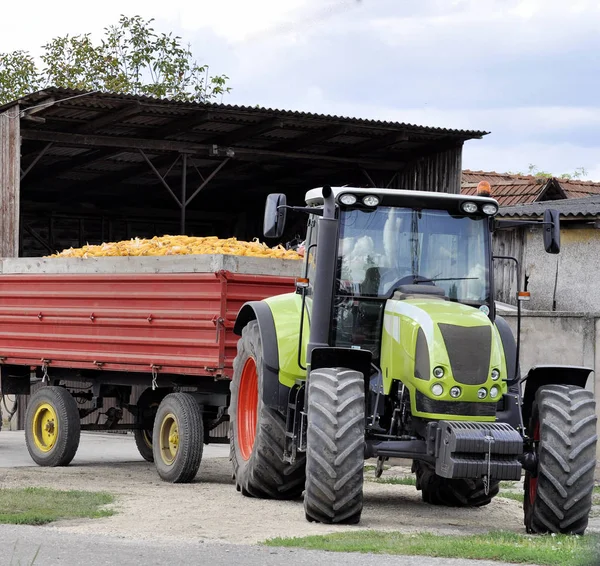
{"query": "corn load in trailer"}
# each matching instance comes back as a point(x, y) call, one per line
point(165, 323)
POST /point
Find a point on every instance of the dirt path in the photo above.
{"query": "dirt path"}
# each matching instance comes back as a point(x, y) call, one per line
point(211, 508)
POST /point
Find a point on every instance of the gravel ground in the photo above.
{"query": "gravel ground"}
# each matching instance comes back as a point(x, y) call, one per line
point(210, 508)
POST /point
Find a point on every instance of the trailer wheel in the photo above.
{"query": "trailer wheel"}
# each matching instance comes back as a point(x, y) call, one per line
point(257, 432)
point(335, 446)
point(178, 438)
point(563, 428)
point(457, 492)
point(147, 406)
point(52, 427)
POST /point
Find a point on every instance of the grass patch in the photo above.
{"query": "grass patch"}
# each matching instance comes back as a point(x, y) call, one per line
point(38, 505)
point(516, 495)
point(507, 547)
point(508, 484)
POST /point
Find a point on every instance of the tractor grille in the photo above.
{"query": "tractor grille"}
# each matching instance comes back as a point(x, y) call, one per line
point(469, 352)
point(462, 408)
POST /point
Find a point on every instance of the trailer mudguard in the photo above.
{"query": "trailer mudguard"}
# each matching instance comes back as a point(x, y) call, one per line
point(275, 395)
point(551, 375)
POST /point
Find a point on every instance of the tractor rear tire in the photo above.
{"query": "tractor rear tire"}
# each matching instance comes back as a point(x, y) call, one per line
point(563, 428)
point(257, 432)
point(178, 438)
point(335, 446)
point(437, 490)
point(52, 427)
point(147, 406)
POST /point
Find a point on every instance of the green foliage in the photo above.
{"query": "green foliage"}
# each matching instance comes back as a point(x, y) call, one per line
point(533, 170)
point(38, 506)
point(131, 58)
point(549, 550)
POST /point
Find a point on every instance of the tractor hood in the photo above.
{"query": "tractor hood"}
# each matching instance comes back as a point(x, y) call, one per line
point(433, 346)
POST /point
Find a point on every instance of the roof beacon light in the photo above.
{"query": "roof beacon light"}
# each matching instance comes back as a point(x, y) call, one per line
point(484, 189)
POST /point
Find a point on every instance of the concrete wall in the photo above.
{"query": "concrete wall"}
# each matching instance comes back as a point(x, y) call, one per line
point(561, 339)
point(568, 281)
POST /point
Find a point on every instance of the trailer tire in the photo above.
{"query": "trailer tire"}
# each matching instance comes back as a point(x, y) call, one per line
point(178, 438)
point(257, 432)
point(563, 427)
point(148, 403)
point(52, 427)
point(457, 492)
point(335, 446)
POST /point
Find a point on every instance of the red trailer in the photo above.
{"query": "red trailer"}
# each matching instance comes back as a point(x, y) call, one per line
point(108, 324)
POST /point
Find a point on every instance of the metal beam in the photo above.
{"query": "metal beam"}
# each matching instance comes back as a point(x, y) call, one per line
point(373, 144)
point(366, 174)
point(110, 117)
point(207, 180)
point(81, 140)
point(247, 132)
point(37, 158)
point(183, 191)
point(162, 180)
point(310, 138)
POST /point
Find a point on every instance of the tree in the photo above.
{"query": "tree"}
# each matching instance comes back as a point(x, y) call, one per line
point(533, 170)
point(131, 58)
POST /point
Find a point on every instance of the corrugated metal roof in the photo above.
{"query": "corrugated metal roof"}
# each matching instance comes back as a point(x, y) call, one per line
point(588, 207)
point(90, 101)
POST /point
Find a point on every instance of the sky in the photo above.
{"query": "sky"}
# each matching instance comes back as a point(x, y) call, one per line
point(527, 71)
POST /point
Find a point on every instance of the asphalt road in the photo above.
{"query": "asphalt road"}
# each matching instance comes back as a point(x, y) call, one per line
point(19, 545)
point(94, 448)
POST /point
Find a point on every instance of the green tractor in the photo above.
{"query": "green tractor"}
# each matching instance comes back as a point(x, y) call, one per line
point(391, 348)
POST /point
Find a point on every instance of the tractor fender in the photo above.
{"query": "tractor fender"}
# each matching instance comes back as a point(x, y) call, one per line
point(274, 394)
point(509, 344)
point(351, 358)
point(551, 375)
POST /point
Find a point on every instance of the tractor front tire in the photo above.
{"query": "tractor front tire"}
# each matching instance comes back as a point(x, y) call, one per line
point(178, 438)
point(335, 446)
point(52, 427)
point(257, 432)
point(563, 428)
point(437, 490)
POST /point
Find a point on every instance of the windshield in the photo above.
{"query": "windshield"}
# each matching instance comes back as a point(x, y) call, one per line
point(393, 246)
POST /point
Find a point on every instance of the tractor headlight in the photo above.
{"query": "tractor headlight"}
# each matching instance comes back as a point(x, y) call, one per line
point(371, 200)
point(438, 372)
point(348, 199)
point(482, 393)
point(469, 207)
point(494, 391)
point(437, 389)
point(495, 374)
point(455, 392)
point(489, 209)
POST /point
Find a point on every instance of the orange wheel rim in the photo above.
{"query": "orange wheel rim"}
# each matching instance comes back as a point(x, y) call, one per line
point(247, 409)
point(533, 481)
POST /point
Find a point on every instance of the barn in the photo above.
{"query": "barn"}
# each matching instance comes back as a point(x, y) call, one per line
point(86, 167)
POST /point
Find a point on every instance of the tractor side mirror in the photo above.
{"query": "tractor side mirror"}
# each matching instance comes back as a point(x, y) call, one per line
point(275, 215)
point(552, 231)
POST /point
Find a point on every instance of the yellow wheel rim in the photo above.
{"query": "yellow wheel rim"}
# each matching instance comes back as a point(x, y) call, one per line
point(168, 439)
point(45, 427)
